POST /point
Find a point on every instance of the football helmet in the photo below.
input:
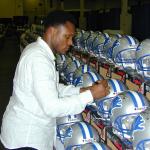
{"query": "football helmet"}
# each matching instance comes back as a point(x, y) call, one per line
point(87, 79)
point(126, 106)
point(84, 38)
point(80, 133)
point(83, 69)
point(143, 59)
point(63, 123)
point(68, 60)
point(70, 69)
point(124, 52)
point(60, 59)
point(98, 44)
point(90, 146)
point(105, 105)
point(77, 40)
point(109, 45)
point(141, 136)
point(89, 43)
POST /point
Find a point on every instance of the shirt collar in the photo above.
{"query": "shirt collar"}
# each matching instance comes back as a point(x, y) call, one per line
point(46, 48)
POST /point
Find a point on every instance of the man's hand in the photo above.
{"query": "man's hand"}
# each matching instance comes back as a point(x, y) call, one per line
point(99, 89)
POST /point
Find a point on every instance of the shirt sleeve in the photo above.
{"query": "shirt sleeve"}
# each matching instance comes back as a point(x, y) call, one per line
point(46, 91)
point(67, 90)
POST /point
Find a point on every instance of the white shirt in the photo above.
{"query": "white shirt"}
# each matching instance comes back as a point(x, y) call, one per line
point(37, 99)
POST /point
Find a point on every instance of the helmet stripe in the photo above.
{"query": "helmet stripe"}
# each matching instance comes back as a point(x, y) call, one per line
point(76, 63)
point(112, 82)
point(141, 98)
point(122, 88)
point(130, 40)
point(90, 130)
point(97, 146)
point(93, 76)
point(63, 57)
point(134, 98)
point(84, 130)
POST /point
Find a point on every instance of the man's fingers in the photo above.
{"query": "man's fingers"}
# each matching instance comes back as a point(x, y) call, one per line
point(103, 82)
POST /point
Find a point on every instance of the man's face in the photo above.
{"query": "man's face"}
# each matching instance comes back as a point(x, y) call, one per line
point(62, 37)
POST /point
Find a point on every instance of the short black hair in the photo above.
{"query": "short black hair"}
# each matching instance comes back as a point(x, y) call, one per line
point(58, 17)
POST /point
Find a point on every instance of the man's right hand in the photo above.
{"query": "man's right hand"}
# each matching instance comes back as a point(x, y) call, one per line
point(100, 89)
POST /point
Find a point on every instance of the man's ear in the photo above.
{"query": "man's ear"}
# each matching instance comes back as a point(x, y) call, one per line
point(52, 31)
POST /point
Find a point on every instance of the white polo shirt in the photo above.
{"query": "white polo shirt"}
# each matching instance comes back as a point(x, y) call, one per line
point(37, 99)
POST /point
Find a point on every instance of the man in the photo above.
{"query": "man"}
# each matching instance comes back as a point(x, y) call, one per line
point(29, 121)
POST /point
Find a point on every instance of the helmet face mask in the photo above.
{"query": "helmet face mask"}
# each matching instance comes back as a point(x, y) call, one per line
point(143, 59)
point(143, 66)
point(124, 52)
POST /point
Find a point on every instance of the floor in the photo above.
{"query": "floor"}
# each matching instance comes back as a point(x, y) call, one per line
point(9, 55)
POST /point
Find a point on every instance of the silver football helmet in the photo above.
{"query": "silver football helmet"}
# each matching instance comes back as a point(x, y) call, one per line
point(91, 146)
point(87, 79)
point(89, 43)
point(84, 38)
point(98, 44)
point(143, 59)
point(80, 133)
point(83, 69)
point(77, 40)
point(124, 52)
point(63, 123)
point(126, 106)
point(68, 60)
point(141, 136)
point(60, 59)
point(70, 69)
point(105, 105)
point(109, 45)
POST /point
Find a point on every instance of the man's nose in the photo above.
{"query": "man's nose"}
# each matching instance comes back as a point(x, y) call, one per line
point(70, 42)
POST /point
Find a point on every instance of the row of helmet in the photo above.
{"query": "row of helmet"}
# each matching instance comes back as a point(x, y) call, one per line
point(124, 51)
point(126, 112)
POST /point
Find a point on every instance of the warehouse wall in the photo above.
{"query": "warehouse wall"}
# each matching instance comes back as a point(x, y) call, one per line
point(10, 8)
